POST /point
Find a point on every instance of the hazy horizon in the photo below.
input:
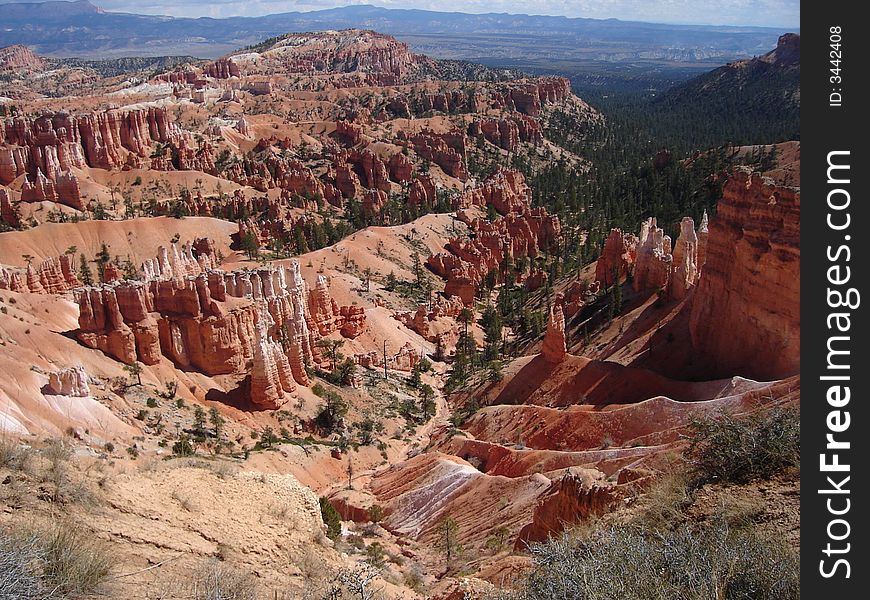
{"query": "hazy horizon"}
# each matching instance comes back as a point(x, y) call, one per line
point(782, 14)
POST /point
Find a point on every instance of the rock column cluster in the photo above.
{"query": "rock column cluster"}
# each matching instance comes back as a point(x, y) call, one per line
point(265, 322)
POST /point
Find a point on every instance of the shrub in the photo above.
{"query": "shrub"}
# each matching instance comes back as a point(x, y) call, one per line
point(664, 502)
point(739, 450)
point(20, 566)
point(57, 452)
point(332, 411)
point(183, 447)
point(376, 555)
point(9, 451)
point(331, 519)
point(218, 581)
point(62, 485)
point(368, 428)
point(267, 437)
point(497, 539)
point(73, 562)
point(376, 513)
point(626, 564)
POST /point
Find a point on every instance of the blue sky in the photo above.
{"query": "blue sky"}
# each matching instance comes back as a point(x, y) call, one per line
point(775, 13)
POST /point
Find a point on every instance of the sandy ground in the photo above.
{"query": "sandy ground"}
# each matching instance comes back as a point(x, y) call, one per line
point(138, 239)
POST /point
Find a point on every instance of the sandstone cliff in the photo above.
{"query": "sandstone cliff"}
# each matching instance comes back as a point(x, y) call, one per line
point(746, 310)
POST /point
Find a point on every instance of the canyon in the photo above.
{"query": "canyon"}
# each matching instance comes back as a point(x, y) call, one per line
point(319, 274)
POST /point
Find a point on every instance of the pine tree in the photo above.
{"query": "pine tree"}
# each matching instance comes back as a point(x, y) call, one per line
point(250, 245)
point(85, 274)
point(199, 421)
point(331, 519)
point(216, 420)
point(103, 258)
point(448, 532)
point(135, 370)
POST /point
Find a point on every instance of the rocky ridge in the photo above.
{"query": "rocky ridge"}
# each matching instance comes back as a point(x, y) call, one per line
point(18, 58)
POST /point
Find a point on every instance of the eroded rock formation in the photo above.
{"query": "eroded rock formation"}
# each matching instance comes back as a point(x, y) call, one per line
point(271, 375)
point(72, 381)
point(54, 144)
point(508, 133)
point(522, 231)
point(18, 57)
point(569, 500)
point(654, 261)
point(217, 322)
point(9, 209)
point(746, 309)
point(553, 348)
point(177, 262)
point(447, 150)
point(425, 319)
point(404, 360)
point(55, 275)
point(617, 258)
point(686, 269)
point(655, 265)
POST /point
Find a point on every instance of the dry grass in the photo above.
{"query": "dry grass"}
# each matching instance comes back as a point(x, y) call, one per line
point(224, 469)
point(20, 565)
point(215, 580)
point(8, 451)
point(59, 561)
point(14, 455)
point(75, 563)
point(344, 584)
point(627, 563)
point(183, 500)
point(740, 512)
point(738, 450)
point(62, 483)
point(664, 503)
point(49, 474)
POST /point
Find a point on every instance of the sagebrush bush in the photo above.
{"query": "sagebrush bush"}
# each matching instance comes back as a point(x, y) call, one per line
point(626, 563)
point(20, 569)
point(663, 504)
point(65, 486)
point(61, 561)
point(24, 459)
point(738, 450)
point(215, 580)
point(8, 451)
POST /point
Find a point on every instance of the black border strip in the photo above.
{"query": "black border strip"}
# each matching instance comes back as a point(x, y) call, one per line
point(833, 262)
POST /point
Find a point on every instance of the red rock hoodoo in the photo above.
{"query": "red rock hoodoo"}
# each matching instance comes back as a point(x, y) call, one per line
point(746, 308)
point(217, 322)
point(554, 348)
